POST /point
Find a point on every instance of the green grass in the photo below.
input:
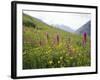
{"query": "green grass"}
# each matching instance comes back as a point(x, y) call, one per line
point(41, 52)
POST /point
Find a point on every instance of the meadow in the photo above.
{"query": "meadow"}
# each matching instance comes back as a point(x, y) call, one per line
point(45, 46)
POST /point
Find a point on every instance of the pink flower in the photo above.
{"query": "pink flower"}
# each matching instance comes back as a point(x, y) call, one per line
point(84, 38)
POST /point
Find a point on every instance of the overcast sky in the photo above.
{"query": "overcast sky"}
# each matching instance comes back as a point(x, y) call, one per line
point(72, 20)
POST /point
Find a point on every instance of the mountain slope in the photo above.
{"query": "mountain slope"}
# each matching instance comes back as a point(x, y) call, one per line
point(85, 28)
point(30, 21)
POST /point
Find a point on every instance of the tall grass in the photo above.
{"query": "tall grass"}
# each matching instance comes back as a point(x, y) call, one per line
point(49, 47)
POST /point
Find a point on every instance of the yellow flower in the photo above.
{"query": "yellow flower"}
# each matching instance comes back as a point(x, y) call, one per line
point(71, 57)
point(73, 49)
point(61, 58)
point(58, 62)
point(70, 46)
point(46, 52)
point(49, 50)
point(60, 45)
point(49, 47)
point(37, 48)
point(63, 51)
point(66, 54)
point(50, 62)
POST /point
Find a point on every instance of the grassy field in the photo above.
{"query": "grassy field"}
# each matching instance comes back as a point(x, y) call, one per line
point(47, 47)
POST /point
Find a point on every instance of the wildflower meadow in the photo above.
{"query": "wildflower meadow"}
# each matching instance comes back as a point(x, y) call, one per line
point(45, 46)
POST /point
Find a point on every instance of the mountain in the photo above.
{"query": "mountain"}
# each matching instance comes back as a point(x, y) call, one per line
point(65, 28)
point(37, 23)
point(85, 28)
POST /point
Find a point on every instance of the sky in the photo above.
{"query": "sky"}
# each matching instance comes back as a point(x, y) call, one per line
point(72, 20)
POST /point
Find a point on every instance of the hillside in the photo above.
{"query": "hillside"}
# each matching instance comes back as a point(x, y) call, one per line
point(29, 21)
point(45, 46)
point(85, 28)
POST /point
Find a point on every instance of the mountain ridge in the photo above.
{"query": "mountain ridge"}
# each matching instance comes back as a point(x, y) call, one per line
point(84, 28)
